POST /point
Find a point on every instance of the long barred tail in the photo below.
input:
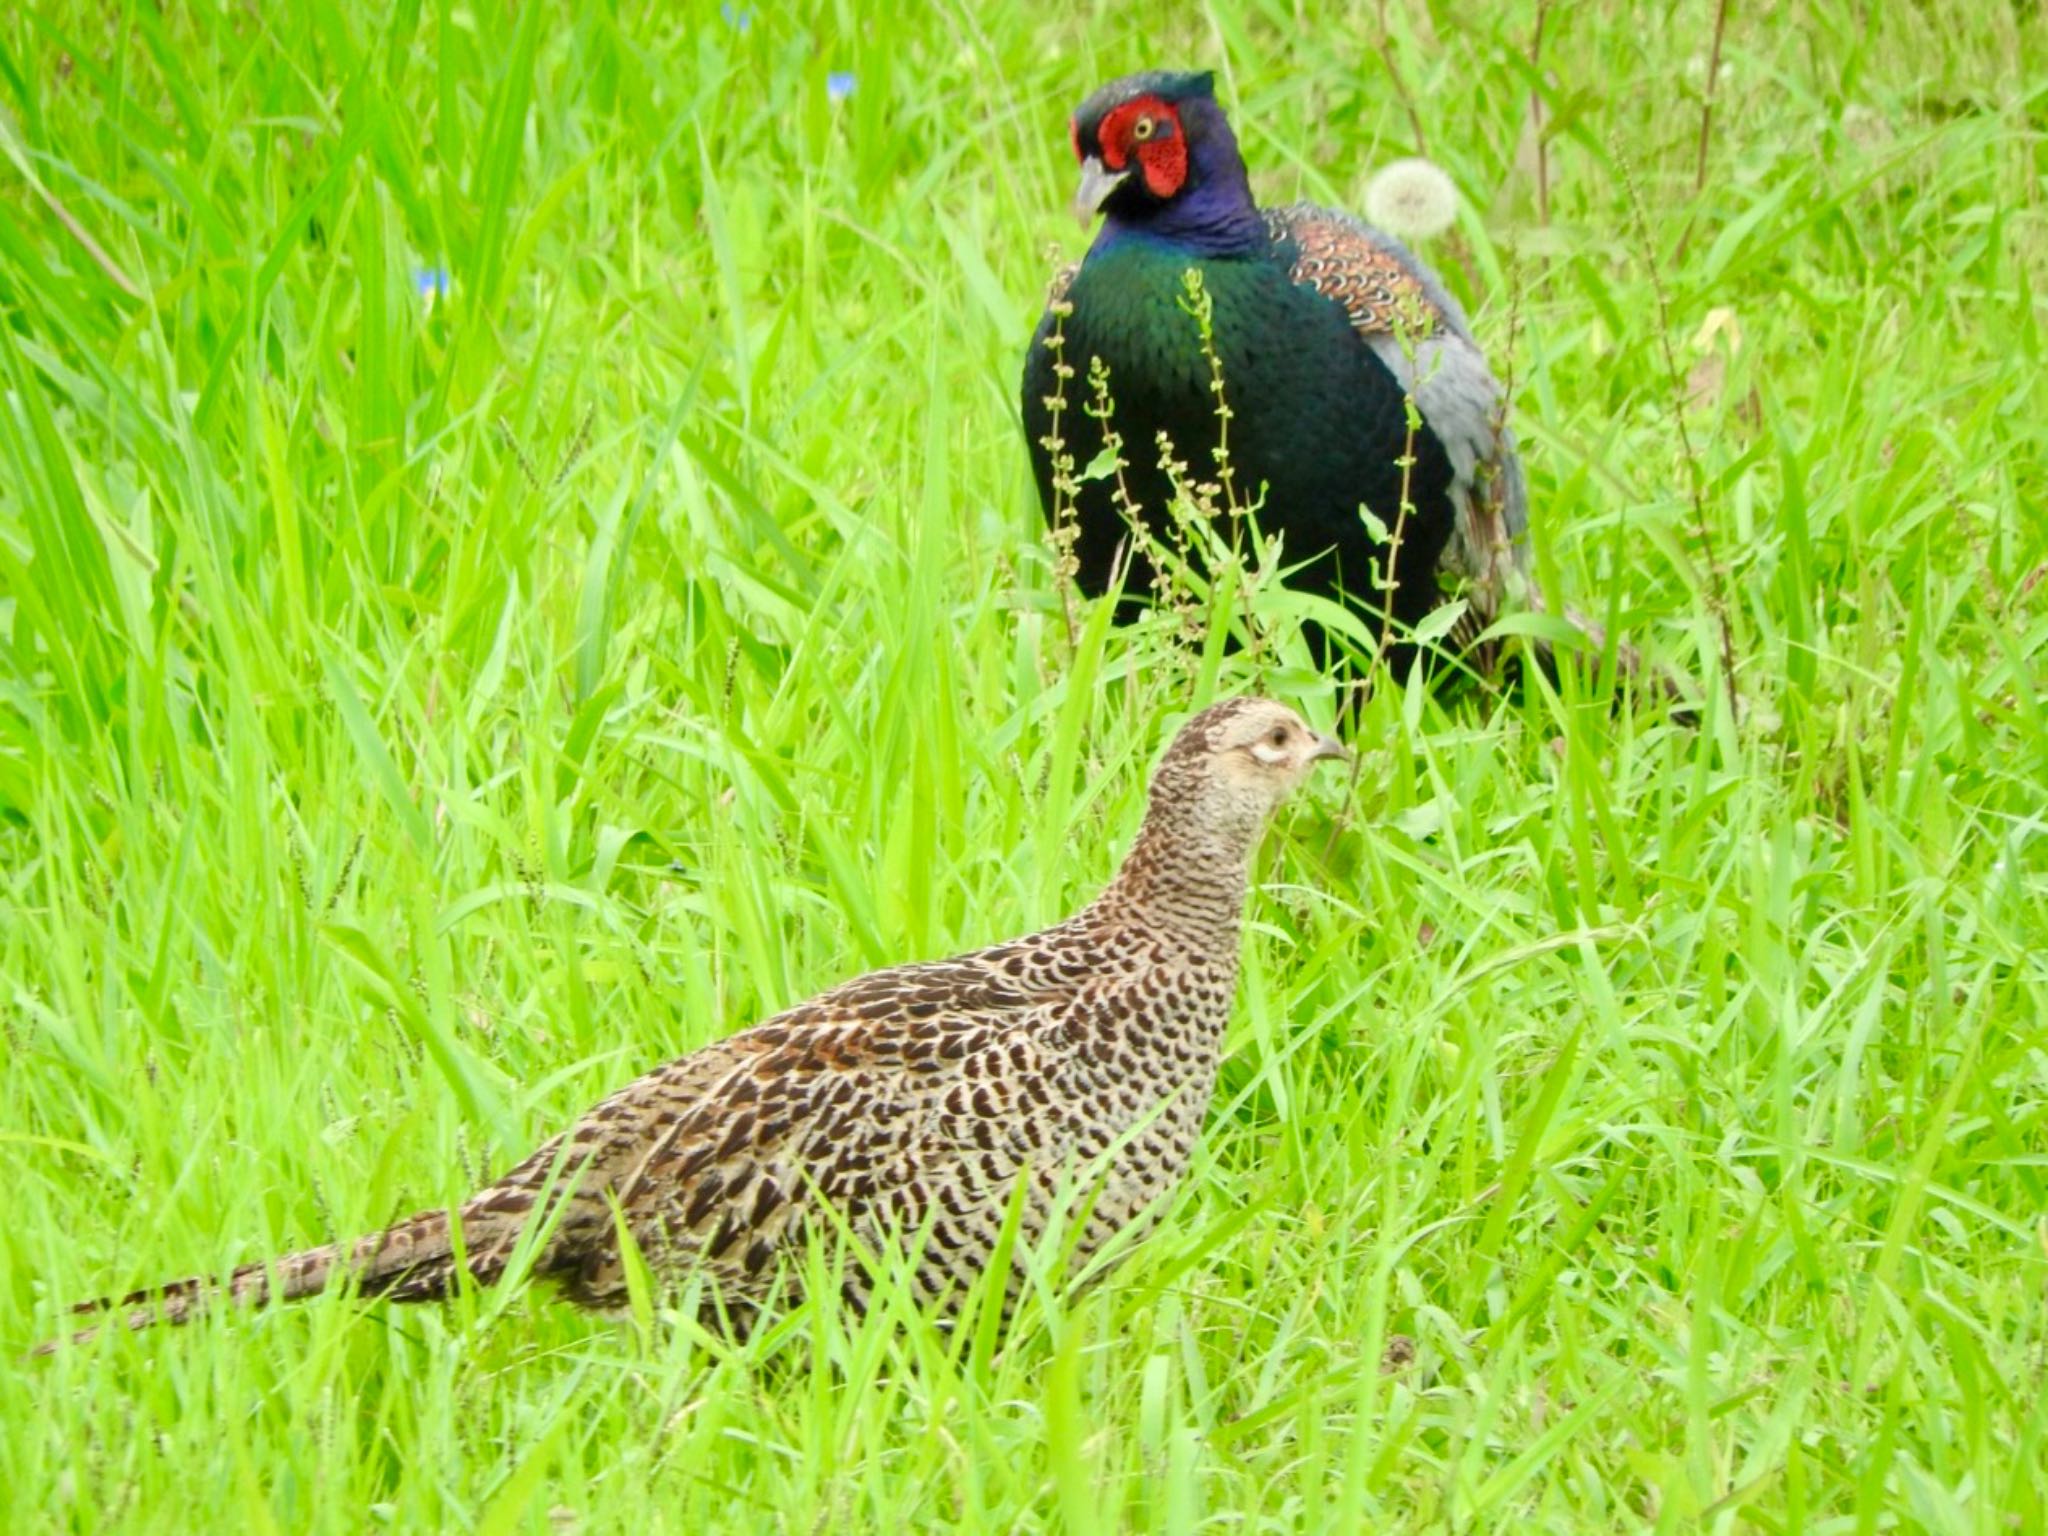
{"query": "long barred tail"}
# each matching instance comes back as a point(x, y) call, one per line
point(410, 1261)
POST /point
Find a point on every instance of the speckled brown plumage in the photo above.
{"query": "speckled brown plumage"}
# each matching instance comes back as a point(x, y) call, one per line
point(906, 1103)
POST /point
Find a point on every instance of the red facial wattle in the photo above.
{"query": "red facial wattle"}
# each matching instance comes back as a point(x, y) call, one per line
point(1148, 130)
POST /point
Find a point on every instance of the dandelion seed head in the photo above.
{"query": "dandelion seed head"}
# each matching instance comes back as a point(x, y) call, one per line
point(1412, 198)
point(1865, 127)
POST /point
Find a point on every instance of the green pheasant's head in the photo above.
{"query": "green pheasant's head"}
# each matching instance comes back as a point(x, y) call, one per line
point(1157, 154)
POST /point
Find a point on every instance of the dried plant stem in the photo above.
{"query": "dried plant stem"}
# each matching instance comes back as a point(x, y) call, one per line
point(1065, 532)
point(1699, 179)
point(1400, 85)
point(1699, 173)
point(1392, 577)
point(1695, 473)
point(1196, 301)
point(1537, 115)
point(12, 147)
point(1356, 688)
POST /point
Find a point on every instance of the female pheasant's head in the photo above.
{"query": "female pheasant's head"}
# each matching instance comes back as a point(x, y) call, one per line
point(1213, 792)
point(1231, 766)
point(1157, 154)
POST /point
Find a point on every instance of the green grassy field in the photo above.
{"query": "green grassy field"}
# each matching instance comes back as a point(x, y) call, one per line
point(416, 719)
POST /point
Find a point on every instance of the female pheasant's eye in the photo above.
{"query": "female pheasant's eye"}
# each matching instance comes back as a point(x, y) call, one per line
point(1279, 736)
point(1143, 129)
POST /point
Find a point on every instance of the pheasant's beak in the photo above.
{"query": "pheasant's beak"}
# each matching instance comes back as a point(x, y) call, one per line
point(1330, 747)
point(1097, 182)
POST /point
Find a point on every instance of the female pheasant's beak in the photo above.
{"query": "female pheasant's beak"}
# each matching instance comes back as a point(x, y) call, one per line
point(1330, 747)
point(1097, 182)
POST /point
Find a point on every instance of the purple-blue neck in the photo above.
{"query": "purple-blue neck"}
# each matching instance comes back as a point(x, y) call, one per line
point(1214, 215)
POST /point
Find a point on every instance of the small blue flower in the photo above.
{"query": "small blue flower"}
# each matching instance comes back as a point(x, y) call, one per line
point(839, 84)
point(738, 17)
point(432, 284)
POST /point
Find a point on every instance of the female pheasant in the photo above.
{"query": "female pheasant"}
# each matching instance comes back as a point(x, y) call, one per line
point(906, 1105)
point(1323, 328)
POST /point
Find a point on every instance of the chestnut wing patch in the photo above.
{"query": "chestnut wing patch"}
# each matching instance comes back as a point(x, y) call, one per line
point(1337, 259)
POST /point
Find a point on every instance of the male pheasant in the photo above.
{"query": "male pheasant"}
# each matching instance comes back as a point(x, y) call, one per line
point(906, 1104)
point(1323, 328)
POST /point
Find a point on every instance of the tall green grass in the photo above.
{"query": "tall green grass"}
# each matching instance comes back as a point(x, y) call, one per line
point(416, 719)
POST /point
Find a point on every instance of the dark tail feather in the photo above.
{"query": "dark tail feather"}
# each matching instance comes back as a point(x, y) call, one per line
point(411, 1261)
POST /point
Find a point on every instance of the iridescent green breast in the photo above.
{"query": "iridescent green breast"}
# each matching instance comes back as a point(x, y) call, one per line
point(1317, 424)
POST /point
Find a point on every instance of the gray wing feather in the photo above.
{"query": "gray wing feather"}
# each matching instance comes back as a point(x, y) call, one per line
point(1446, 374)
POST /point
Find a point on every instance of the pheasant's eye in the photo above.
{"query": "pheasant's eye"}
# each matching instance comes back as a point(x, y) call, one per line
point(1144, 128)
point(1278, 736)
